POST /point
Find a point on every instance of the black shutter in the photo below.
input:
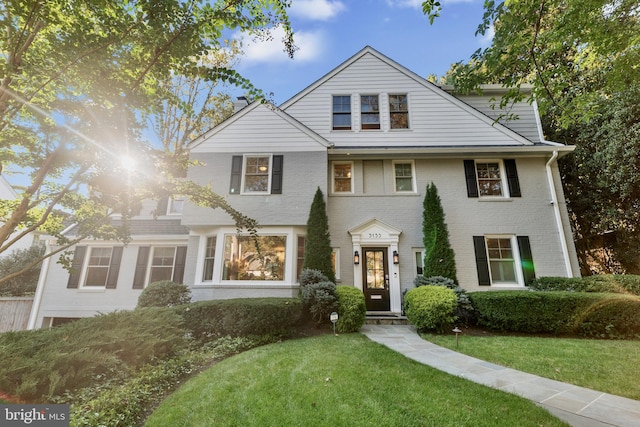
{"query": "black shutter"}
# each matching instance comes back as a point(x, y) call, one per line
point(76, 267)
point(178, 268)
point(470, 176)
point(163, 204)
point(512, 177)
point(141, 267)
point(236, 175)
point(482, 263)
point(114, 267)
point(526, 259)
point(276, 174)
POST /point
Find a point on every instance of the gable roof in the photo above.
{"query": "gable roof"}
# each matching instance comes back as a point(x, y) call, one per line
point(497, 133)
point(248, 127)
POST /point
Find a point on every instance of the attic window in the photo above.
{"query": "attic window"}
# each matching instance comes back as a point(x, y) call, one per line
point(370, 112)
point(398, 112)
point(342, 112)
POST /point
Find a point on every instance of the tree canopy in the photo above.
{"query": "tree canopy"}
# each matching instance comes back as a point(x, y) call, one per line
point(78, 82)
point(581, 58)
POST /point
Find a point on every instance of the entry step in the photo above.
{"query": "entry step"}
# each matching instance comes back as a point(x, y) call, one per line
point(374, 318)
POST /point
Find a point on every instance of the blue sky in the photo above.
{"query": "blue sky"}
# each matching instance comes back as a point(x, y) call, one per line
point(328, 32)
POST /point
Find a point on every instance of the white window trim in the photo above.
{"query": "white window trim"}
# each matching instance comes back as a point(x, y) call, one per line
point(171, 202)
point(414, 253)
point(336, 254)
point(413, 176)
point(351, 112)
point(333, 177)
point(516, 260)
point(361, 113)
point(244, 173)
point(150, 261)
point(85, 269)
point(388, 112)
point(503, 179)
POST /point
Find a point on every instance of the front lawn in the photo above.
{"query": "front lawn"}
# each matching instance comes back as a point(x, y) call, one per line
point(610, 366)
point(338, 381)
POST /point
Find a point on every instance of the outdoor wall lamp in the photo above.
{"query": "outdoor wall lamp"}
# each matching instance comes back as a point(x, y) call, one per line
point(356, 258)
point(396, 257)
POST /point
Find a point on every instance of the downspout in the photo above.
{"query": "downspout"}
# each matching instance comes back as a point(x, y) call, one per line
point(556, 211)
point(37, 299)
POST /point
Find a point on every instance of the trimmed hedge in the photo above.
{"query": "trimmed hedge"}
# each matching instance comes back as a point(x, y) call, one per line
point(612, 283)
point(164, 293)
point(603, 315)
point(430, 307)
point(352, 310)
point(241, 317)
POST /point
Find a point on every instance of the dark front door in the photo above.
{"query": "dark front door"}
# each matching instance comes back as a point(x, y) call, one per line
point(375, 275)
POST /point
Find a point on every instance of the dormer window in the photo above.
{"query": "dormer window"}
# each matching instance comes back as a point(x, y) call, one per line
point(370, 112)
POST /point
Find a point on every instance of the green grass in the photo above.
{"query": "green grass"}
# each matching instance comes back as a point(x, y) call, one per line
point(610, 366)
point(338, 381)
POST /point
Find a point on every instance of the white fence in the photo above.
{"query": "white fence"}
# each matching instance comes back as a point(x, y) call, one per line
point(14, 313)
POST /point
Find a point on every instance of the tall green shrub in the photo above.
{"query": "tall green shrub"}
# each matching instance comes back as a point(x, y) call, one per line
point(439, 258)
point(317, 248)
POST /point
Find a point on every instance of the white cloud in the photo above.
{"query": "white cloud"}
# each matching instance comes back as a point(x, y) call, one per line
point(309, 46)
point(317, 10)
point(487, 38)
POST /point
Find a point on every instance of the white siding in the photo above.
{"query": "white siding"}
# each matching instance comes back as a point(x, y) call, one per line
point(436, 118)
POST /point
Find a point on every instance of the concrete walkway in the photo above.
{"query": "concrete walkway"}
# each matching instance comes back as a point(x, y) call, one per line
point(578, 406)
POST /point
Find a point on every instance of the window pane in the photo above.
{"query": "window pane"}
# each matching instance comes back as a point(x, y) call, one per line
point(342, 112)
point(501, 261)
point(489, 181)
point(370, 116)
point(244, 261)
point(404, 180)
point(162, 264)
point(209, 257)
point(176, 205)
point(256, 174)
point(342, 177)
point(398, 112)
point(342, 104)
point(98, 267)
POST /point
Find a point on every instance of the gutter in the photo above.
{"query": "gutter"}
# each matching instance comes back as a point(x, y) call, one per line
point(37, 299)
point(556, 211)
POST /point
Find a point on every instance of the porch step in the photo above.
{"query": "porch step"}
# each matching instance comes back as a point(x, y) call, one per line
point(385, 319)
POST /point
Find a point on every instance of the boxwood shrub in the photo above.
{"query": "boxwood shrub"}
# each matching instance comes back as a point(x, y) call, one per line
point(430, 307)
point(612, 283)
point(352, 310)
point(604, 315)
point(241, 317)
point(164, 293)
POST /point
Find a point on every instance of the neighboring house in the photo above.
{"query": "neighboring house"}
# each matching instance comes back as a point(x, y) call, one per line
point(371, 135)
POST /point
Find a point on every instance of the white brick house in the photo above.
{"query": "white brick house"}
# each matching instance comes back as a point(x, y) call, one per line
point(371, 135)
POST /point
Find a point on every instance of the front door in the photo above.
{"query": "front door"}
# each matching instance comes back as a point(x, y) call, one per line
point(375, 275)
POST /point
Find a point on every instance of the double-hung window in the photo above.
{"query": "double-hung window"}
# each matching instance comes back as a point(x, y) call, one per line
point(342, 177)
point(97, 267)
point(503, 260)
point(369, 112)
point(404, 176)
point(398, 112)
point(256, 174)
point(492, 178)
point(341, 112)
point(162, 261)
point(209, 258)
